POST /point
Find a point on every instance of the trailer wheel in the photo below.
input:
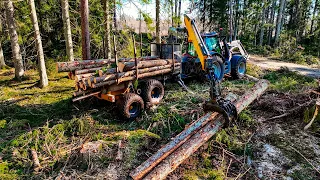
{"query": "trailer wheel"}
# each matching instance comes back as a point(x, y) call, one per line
point(152, 92)
point(130, 105)
point(239, 70)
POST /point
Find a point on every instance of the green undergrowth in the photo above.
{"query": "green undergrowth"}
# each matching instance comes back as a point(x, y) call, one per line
point(284, 80)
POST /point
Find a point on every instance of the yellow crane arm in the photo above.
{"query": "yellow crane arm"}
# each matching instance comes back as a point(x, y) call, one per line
point(196, 39)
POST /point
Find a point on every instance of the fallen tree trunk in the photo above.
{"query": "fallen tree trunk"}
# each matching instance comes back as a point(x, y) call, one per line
point(186, 144)
point(131, 73)
point(130, 78)
point(127, 66)
point(87, 64)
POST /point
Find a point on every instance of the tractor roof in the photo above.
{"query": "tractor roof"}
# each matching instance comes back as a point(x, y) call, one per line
point(210, 34)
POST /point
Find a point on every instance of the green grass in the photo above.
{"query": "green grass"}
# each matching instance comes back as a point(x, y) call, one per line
point(46, 120)
point(284, 80)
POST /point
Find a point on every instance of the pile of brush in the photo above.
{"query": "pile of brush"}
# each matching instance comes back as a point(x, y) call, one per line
point(91, 75)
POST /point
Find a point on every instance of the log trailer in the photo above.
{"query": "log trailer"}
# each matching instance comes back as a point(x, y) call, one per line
point(132, 84)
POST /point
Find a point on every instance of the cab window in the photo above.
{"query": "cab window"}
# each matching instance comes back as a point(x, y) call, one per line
point(212, 44)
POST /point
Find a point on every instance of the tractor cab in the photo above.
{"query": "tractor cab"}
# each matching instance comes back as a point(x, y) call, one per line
point(217, 44)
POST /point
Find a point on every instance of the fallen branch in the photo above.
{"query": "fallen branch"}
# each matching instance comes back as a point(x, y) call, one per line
point(305, 159)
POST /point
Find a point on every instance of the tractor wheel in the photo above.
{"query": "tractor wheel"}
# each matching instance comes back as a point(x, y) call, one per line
point(130, 105)
point(152, 92)
point(239, 70)
point(218, 67)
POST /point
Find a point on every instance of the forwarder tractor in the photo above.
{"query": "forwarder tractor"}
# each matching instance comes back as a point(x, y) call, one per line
point(215, 62)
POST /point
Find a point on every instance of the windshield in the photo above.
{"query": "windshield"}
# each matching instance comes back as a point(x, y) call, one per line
point(191, 49)
point(212, 44)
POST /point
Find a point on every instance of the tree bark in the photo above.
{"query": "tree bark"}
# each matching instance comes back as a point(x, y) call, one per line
point(17, 58)
point(85, 35)
point(41, 63)
point(142, 64)
point(2, 62)
point(107, 38)
point(67, 29)
point(262, 24)
point(271, 21)
point(279, 24)
point(179, 13)
point(115, 15)
point(314, 15)
point(158, 35)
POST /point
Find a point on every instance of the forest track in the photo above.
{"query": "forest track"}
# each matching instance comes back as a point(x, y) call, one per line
point(268, 63)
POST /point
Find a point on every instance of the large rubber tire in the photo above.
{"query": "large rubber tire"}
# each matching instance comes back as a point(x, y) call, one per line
point(152, 92)
point(240, 69)
point(130, 106)
point(218, 67)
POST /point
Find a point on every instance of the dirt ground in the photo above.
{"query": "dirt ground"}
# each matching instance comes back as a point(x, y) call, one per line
point(269, 63)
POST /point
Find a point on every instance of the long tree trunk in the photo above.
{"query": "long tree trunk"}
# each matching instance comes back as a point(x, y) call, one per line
point(107, 38)
point(271, 21)
point(314, 15)
point(41, 63)
point(67, 29)
point(230, 20)
point(158, 38)
point(2, 62)
point(262, 25)
point(179, 13)
point(85, 35)
point(279, 24)
point(17, 58)
point(115, 15)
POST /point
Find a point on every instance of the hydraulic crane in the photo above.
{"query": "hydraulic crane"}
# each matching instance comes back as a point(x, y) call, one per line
point(209, 62)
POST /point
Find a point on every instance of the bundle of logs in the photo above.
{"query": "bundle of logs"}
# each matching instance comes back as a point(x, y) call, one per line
point(91, 75)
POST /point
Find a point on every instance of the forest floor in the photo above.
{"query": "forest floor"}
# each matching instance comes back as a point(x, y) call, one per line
point(272, 63)
point(86, 140)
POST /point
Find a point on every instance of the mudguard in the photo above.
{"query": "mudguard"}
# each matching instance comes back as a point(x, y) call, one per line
point(235, 58)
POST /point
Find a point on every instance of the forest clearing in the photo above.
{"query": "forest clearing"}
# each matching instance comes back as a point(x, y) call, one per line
point(198, 90)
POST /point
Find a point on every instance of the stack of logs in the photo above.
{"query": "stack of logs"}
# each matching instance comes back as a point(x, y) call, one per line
point(91, 75)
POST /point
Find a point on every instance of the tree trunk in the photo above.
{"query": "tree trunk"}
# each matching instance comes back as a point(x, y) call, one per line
point(107, 38)
point(279, 24)
point(230, 20)
point(67, 29)
point(179, 13)
point(262, 24)
point(2, 62)
point(85, 35)
point(271, 21)
point(115, 15)
point(314, 15)
point(158, 35)
point(41, 63)
point(17, 58)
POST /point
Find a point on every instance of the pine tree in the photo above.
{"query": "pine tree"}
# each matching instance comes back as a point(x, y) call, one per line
point(67, 29)
point(41, 63)
point(2, 62)
point(17, 58)
point(158, 35)
point(107, 38)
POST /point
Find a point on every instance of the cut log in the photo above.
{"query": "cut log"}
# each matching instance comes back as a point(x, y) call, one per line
point(78, 78)
point(77, 86)
point(178, 151)
point(88, 64)
point(132, 73)
point(127, 66)
point(85, 71)
point(130, 78)
point(82, 93)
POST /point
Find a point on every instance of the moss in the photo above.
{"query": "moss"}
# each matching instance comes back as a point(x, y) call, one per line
point(3, 124)
point(6, 173)
point(205, 174)
point(254, 70)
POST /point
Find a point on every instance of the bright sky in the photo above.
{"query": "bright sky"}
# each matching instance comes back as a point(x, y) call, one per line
point(131, 10)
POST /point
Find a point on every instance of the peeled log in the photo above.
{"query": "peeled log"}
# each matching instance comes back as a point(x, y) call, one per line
point(130, 78)
point(212, 122)
point(88, 64)
point(127, 66)
point(131, 73)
